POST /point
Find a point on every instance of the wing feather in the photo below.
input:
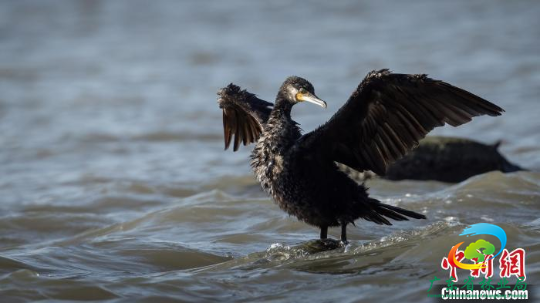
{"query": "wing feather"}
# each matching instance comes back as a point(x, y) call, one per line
point(244, 115)
point(386, 117)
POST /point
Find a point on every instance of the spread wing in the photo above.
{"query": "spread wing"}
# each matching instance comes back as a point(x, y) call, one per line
point(244, 115)
point(386, 117)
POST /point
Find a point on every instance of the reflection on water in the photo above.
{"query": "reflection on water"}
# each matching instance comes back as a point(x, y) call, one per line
point(113, 180)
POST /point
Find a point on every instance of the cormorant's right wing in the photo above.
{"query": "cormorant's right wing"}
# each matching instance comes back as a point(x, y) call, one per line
point(386, 117)
point(244, 115)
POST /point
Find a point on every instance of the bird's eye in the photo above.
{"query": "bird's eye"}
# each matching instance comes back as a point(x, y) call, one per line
point(303, 90)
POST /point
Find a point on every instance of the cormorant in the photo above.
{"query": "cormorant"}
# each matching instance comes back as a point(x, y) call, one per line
point(444, 159)
point(384, 118)
point(448, 159)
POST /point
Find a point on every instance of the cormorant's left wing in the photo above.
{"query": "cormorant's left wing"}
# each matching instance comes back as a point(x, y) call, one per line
point(244, 115)
point(386, 117)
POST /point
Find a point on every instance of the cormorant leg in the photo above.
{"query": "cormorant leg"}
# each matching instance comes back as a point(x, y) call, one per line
point(324, 232)
point(344, 232)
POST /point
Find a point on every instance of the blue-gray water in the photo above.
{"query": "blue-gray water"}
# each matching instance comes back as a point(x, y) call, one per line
point(113, 179)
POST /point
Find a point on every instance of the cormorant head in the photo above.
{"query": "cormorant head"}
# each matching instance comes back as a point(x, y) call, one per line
point(296, 89)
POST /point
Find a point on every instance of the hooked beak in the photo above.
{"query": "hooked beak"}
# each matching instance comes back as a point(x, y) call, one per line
point(309, 97)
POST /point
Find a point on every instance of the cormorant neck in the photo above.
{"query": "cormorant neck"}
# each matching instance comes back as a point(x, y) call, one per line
point(283, 106)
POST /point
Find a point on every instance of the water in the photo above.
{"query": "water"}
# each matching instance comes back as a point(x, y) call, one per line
point(114, 185)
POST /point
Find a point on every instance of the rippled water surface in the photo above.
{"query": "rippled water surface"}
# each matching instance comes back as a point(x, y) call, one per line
point(113, 180)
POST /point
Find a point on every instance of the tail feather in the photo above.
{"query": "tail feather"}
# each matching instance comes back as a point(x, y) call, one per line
point(408, 213)
point(381, 210)
point(391, 214)
point(377, 218)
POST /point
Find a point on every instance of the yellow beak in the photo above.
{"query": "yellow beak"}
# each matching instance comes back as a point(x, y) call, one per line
point(309, 97)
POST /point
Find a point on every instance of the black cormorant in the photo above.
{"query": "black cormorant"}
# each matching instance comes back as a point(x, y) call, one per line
point(382, 120)
point(449, 159)
point(445, 159)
